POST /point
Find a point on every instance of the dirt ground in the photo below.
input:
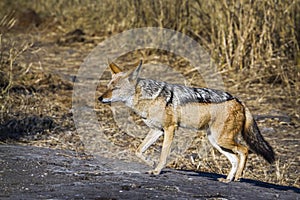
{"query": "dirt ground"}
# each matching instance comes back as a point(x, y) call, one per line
point(40, 173)
point(53, 162)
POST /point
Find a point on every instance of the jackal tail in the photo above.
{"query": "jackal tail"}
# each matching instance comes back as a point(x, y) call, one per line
point(255, 140)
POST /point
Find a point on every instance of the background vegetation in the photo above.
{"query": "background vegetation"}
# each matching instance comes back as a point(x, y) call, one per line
point(239, 34)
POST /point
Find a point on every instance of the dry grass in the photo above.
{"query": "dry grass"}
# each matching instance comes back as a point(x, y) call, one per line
point(254, 43)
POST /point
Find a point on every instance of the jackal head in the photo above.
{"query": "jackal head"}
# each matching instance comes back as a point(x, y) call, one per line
point(121, 88)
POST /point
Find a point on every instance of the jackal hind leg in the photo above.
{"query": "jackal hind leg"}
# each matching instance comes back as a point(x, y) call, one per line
point(242, 151)
point(223, 135)
point(234, 160)
point(236, 154)
point(151, 137)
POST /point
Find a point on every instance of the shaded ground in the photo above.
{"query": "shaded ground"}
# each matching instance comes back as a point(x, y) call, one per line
point(39, 173)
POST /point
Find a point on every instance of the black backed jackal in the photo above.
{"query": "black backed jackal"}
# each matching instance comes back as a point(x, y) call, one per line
point(164, 107)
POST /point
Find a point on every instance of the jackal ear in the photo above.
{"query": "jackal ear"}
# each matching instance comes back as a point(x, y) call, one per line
point(114, 68)
point(135, 73)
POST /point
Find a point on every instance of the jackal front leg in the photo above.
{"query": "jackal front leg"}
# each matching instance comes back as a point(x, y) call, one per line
point(151, 137)
point(168, 138)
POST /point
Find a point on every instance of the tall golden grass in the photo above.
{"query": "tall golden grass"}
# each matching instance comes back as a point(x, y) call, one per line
point(239, 34)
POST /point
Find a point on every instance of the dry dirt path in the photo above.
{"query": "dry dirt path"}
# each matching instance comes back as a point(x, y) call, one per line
point(28, 172)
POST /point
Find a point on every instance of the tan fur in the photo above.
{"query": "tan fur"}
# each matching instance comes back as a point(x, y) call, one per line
point(223, 121)
point(114, 68)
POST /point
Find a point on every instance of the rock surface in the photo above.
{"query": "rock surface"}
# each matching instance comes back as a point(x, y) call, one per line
point(28, 172)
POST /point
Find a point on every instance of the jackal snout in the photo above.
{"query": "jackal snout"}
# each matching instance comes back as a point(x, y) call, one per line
point(106, 97)
point(102, 100)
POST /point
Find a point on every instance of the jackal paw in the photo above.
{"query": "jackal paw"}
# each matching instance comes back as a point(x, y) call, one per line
point(224, 180)
point(154, 172)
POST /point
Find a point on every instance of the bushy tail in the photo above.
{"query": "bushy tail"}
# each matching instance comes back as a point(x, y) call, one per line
point(255, 140)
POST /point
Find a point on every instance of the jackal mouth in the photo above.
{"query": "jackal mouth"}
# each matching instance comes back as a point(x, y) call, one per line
point(105, 101)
